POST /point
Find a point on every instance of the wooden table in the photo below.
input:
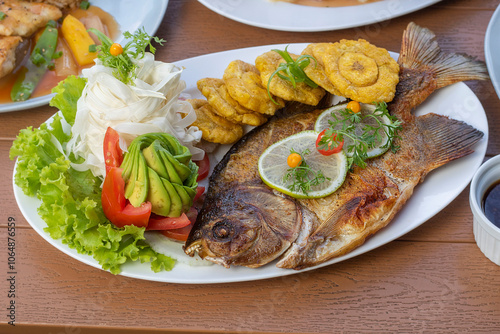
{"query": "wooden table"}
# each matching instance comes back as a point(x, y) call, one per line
point(434, 279)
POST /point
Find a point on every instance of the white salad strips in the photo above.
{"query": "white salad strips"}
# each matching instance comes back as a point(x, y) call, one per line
point(150, 104)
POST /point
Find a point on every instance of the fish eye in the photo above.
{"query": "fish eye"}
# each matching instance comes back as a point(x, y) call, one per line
point(222, 230)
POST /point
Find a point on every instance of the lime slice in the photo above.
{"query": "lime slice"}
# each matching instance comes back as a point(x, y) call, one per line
point(381, 145)
point(273, 166)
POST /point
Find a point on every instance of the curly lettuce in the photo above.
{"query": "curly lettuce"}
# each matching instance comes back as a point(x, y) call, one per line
point(71, 199)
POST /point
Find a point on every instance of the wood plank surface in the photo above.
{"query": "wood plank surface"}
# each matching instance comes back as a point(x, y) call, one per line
point(433, 279)
point(417, 286)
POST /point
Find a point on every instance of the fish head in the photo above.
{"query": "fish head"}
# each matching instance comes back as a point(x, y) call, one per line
point(252, 229)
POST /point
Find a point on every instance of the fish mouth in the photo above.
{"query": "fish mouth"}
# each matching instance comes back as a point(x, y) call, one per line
point(193, 248)
point(232, 249)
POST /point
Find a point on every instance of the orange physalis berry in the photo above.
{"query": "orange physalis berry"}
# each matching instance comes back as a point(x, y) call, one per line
point(294, 160)
point(116, 49)
point(354, 106)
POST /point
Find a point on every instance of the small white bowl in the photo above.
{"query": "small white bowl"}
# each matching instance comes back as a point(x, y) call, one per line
point(487, 235)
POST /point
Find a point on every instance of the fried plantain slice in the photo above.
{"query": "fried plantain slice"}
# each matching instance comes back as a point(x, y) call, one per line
point(316, 69)
point(361, 71)
point(267, 63)
point(224, 105)
point(245, 86)
point(214, 128)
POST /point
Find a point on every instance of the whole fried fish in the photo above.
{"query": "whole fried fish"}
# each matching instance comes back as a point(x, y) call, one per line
point(244, 222)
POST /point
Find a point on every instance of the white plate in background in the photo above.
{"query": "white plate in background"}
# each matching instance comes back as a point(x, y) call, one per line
point(130, 15)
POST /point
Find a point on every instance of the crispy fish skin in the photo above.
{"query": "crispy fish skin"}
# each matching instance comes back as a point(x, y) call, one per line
point(25, 18)
point(214, 128)
point(231, 229)
point(244, 85)
point(8, 47)
point(267, 63)
point(224, 105)
point(369, 198)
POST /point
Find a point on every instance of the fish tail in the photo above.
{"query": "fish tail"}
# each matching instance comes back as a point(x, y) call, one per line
point(447, 139)
point(420, 51)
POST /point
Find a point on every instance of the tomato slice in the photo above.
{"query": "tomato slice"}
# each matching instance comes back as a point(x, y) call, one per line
point(115, 206)
point(203, 167)
point(180, 234)
point(113, 155)
point(199, 192)
point(157, 223)
point(330, 150)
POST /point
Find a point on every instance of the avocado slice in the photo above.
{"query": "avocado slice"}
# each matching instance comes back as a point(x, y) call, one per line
point(141, 183)
point(180, 152)
point(187, 201)
point(176, 202)
point(182, 170)
point(191, 180)
point(173, 176)
point(153, 159)
point(158, 195)
point(130, 175)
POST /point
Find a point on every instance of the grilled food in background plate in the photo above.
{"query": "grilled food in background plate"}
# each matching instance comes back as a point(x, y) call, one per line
point(243, 222)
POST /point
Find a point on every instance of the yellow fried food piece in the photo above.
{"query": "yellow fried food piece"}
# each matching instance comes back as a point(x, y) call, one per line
point(316, 69)
point(361, 71)
point(214, 128)
point(224, 105)
point(245, 86)
point(267, 63)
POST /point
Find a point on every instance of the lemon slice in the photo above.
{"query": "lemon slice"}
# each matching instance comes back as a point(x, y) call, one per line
point(273, 165)
point(381, 145)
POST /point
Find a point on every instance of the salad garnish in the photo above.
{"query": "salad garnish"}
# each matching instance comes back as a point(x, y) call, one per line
point(122, 62)
point(367, 139)
point(303, 177)
point(57, 162)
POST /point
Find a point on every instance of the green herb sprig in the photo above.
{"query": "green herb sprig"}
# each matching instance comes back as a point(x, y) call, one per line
point(368, 139)
point(302, 176)
point(292, 70)
point(122, 64)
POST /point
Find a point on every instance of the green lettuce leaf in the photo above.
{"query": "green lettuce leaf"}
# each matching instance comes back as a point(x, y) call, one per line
point(68, 92)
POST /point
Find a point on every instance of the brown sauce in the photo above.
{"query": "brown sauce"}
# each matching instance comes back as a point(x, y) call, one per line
point(330, 3)
point(491, 203)
point(50, 80)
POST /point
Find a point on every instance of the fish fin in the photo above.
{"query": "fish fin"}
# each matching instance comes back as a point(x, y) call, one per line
point(420, 50)
point(332, 225)
point(447, 139)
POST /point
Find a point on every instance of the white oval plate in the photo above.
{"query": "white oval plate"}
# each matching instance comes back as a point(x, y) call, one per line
point(492, 49)
point(278, 15)
point(436, 192)
point(130, 15)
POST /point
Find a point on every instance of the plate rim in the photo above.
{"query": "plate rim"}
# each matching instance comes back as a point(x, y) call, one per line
point(163, 277)
point(489, 58)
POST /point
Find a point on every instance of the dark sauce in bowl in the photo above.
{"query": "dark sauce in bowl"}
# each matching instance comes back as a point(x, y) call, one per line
point(491, 203)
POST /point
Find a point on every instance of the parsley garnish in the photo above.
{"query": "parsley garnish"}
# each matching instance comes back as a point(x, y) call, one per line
point(302, 176)
point(123, 65)
point(344, 125)
point(2, 16)
point(292, 70)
